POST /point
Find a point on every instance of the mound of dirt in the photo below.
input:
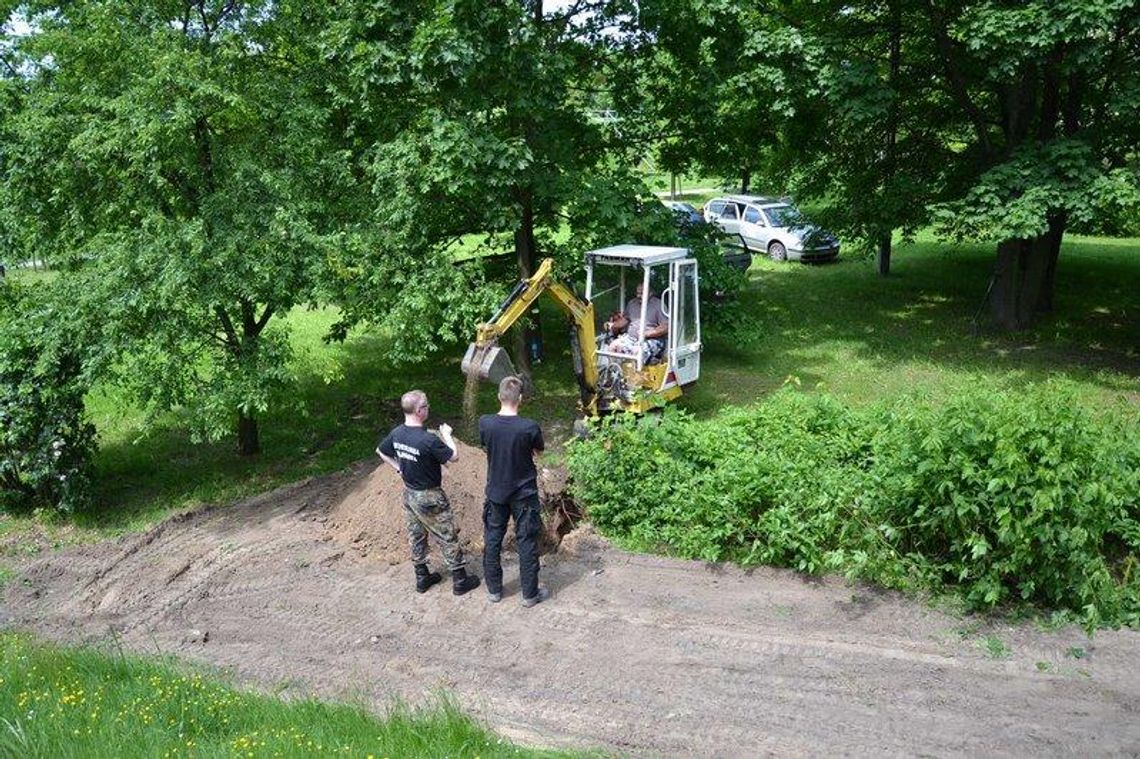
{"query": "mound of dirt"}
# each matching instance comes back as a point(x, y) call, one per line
point(370, 517)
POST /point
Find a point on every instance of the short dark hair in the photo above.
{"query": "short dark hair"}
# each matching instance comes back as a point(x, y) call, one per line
point(510, 390)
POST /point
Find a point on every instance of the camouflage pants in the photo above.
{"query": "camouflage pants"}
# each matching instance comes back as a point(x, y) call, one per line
point(428, 512)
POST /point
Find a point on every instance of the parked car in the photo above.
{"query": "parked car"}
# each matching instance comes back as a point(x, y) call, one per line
point(686, 213)
point(690, 221)
point(772, 226)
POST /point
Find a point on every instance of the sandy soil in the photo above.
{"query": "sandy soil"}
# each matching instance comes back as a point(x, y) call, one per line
point(296, 589)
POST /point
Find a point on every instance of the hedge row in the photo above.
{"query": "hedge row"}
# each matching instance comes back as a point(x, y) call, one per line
point(1019, 496)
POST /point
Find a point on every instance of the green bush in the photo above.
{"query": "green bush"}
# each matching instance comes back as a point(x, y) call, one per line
point(46, 441)
point(1018, 496)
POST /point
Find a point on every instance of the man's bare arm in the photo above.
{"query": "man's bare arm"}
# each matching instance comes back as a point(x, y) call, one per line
point(389, 460)
point(445, 436)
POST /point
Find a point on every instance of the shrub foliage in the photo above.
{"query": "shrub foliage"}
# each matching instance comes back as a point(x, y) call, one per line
point(1006, 496)
point(46, 441)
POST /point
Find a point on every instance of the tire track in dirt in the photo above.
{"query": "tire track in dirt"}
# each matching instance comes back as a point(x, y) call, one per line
point(645, 655)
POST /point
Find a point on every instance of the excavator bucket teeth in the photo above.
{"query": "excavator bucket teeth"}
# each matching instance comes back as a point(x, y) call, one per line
point(491, 363)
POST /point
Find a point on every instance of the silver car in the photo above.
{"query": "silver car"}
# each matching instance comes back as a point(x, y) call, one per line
point(772, 226)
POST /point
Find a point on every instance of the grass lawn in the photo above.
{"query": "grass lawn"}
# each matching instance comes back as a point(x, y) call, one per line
point(864, 338)
point(64, 702)
point(838, 327)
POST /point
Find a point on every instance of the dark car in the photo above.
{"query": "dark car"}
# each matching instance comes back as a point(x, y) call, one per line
point(686, 213)
point(690, 221)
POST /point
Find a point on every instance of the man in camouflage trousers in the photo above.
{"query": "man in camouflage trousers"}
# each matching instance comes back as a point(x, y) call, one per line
point(418, 456)
point(428, 512)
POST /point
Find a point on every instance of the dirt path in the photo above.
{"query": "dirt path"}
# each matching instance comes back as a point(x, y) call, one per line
point(639, 654)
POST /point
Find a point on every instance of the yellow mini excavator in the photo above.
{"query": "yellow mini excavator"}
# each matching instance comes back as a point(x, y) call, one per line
point(632, 374)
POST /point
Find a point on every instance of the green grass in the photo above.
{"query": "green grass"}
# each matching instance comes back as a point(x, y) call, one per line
point(660, 181)
point(837, 327)
point(996, 647)
point(863, 338)
point(84, 702)
point(28, 275)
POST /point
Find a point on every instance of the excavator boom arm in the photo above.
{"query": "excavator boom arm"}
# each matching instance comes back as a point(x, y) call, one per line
point(580, 312)
point(516, 304)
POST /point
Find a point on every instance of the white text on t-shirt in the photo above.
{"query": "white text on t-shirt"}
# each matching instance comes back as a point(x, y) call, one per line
point(406, 451)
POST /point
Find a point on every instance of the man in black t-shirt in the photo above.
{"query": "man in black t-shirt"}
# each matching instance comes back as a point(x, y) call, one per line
point(418, 456)
point(511, 442)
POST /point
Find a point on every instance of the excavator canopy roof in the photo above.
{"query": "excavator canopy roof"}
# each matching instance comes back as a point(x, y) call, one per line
point(635, 255)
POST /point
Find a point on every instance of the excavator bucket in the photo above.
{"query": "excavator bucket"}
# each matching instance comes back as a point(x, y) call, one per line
point(491, 363)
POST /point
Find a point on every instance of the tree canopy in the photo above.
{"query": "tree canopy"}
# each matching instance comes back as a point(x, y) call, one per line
point(179, 158)
point(196, 169)
point(999, 121)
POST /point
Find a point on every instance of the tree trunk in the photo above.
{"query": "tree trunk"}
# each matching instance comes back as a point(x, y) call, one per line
point(249, 439)
point(1024, 280)
point(1056, 232)
point(526, 253)
point(745, 180)
point(883, 257)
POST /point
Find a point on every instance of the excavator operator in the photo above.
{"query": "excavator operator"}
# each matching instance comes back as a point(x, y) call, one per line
point(626, 328)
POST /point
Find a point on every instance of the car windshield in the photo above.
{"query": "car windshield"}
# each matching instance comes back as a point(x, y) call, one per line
point(783, 216)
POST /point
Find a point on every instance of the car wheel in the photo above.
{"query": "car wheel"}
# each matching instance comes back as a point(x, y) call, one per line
point(777, 252)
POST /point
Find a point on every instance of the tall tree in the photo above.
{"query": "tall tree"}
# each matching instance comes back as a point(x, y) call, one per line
point(816, 100)
point(1048, 96)
point(499, 138)
point(698, 90)
point(179, 156)
point(999, 120)
point(11, 89)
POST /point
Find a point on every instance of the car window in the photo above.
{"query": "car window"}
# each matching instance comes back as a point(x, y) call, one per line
point(752, 215)
point(783, 216)
point(730, 211)
point(716, 206)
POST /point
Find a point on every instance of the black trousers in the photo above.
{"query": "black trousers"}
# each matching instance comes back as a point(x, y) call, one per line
point(528, 526)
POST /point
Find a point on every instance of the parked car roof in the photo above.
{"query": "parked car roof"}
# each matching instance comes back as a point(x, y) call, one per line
point(685, 213)
point(758, 200)
point(679, 205)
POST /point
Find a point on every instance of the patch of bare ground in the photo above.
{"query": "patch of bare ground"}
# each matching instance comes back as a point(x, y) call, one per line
point(640, 654)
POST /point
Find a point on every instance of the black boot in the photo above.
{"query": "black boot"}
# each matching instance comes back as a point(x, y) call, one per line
point(461, 583)
point(425, 578)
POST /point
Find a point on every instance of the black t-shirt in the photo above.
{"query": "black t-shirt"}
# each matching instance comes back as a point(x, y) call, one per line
point(419, 453)
point(510, 442)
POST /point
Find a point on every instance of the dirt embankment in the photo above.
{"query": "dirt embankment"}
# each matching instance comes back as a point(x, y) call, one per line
point(369, 518)
point(645, 655)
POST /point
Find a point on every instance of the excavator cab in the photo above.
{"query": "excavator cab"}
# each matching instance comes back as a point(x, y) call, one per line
point(615, 372)
point(652, 369)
